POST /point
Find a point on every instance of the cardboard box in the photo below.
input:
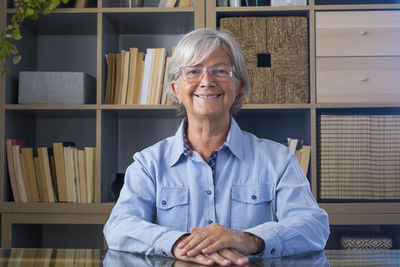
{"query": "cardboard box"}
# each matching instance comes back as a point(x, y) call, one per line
point(38, 87)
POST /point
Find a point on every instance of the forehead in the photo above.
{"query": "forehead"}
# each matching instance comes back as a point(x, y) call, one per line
point(219, 55)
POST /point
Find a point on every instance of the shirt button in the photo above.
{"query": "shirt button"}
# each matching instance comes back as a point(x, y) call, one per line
point(210, 222)
point(208, 192)
point(272, 251)
point(254, 197)
point(163, 202)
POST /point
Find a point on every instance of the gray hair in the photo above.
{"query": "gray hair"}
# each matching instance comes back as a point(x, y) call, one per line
point(196, 46)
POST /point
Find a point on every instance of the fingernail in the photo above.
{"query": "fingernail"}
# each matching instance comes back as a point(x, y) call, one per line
point(205, 251)
point(180, 245)
point(191, 253)
point(210, 262)
point(243, 260)
point(227, 262)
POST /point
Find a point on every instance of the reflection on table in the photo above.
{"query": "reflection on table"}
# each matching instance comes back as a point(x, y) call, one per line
point(19, 257)
point(120, 259)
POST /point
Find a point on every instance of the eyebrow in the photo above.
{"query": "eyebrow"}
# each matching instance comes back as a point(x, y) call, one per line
point(201, 65)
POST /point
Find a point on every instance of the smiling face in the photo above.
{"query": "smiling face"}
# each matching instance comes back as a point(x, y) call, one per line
point(208, 98)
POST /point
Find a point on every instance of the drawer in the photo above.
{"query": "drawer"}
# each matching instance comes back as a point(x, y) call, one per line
point(358, 79)
point(358, 33)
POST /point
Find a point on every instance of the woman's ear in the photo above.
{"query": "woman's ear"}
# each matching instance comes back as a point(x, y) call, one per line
point(239, 87)
point(175, 90)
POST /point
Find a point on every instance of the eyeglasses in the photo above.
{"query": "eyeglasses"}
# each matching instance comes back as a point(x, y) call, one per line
point(220, 72)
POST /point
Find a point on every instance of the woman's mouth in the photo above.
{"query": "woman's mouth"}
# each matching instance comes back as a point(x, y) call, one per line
point(208, 97)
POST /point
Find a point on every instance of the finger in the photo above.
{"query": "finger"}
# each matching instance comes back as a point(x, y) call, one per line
point(198, 249)
point(194, 240)
point(215, 246)
point(201, 259)
point(234, 256)
point(219, 259)
point(184, 241)
point(193, 229)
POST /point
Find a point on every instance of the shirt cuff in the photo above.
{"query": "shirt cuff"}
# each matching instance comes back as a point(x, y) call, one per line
point(163, 246)
point(273, 243)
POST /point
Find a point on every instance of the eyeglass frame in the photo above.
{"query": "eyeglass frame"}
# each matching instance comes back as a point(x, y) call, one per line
point(204, 69)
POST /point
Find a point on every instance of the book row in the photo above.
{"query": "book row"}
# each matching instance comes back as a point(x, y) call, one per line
point(134, 77)
point(61, 173)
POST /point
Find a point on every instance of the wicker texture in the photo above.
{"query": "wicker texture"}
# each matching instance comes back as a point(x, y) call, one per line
point(286, 40)
point(366, 242)
point(359, 157)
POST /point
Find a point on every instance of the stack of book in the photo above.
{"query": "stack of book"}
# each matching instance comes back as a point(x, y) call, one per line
point(137, 78)
point(61, 173)
point(302, 153)
point(359, 157)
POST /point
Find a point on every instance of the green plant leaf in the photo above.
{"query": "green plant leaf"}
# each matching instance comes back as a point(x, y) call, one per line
point(4, 71)
point(25, 9)
point(30, 11)
point(17, 59)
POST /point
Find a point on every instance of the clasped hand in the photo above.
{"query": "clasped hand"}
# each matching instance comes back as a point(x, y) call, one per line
point(216, 244)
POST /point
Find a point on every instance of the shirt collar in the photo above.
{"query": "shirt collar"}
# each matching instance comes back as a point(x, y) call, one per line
point(234, 142)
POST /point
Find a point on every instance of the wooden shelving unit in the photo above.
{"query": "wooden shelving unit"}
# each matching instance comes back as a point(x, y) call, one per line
point(77, 39)
point(376, 215)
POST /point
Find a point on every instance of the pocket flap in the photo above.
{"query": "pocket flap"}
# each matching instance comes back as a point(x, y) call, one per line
point(253, 193)
point(169, 197)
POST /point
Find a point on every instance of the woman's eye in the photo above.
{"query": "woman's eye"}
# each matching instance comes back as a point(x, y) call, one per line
point(193, 72)
point(222, 71)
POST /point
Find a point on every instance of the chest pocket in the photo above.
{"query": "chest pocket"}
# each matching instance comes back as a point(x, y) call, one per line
point(172, 207)
point(252, 204)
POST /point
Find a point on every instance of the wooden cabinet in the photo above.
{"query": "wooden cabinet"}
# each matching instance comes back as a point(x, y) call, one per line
point(72, 39)
point(357, 33)
point(357, 56)
point(350, 72)
point(358, 79)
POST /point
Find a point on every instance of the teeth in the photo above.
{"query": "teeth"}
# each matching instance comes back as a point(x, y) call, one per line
point(207, 96)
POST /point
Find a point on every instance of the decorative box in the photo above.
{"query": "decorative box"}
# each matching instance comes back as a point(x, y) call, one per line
point(275, 51)
point(366, 242)
point(38, 87)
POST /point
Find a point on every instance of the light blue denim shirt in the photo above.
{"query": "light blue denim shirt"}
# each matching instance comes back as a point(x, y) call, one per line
point(259, 188)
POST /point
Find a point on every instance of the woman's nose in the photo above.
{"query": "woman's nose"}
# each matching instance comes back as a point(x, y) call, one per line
point(207, 76)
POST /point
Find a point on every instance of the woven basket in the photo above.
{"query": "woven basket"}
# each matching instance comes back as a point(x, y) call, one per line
point(284, 40)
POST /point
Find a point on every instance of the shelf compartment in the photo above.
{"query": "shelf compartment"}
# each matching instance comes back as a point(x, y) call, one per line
point(61, 41)
point(364, 230)
point(42, 127)
point(124, 132)
point(277, 124)
point(142, 30)
point(55, 231)
point(355, 2)
point(357, 156)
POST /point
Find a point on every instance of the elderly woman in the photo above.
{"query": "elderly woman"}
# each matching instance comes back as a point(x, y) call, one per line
point(213, 194)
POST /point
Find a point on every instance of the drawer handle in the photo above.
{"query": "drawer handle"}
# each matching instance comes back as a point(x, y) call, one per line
point(364, 79)
point(362, 33)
